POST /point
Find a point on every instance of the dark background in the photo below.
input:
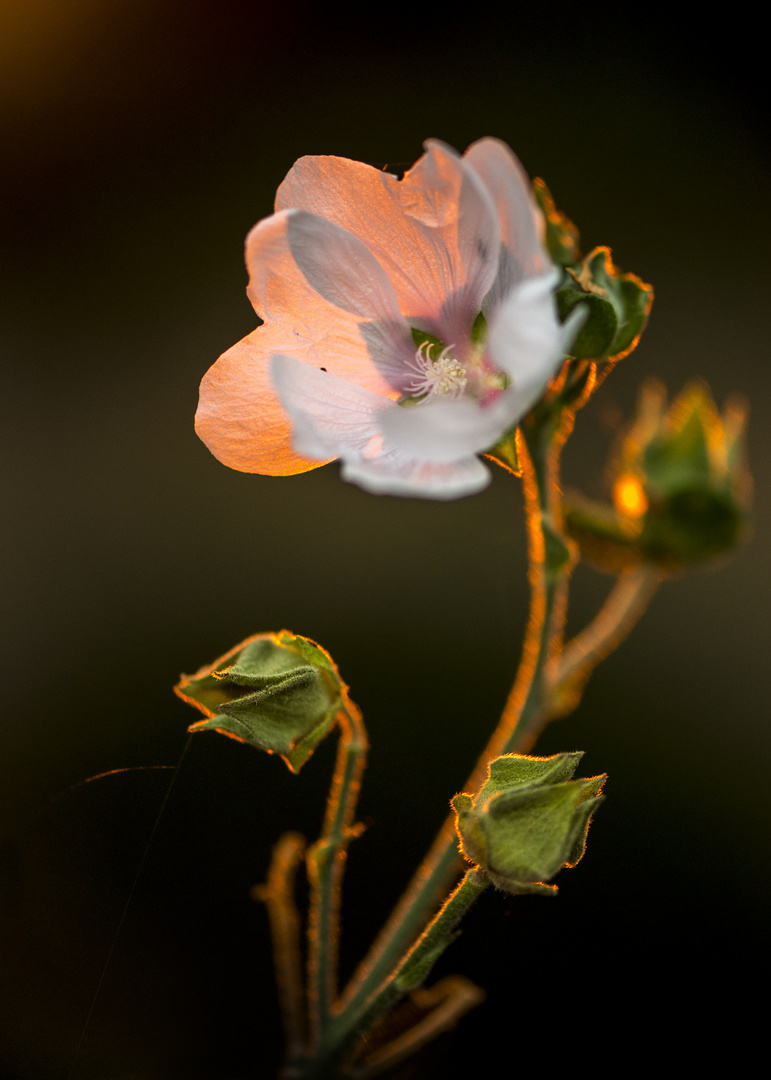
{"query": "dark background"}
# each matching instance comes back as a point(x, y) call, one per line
point(142, 140)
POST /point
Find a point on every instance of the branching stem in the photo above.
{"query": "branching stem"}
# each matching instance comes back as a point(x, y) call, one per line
point(550, 565)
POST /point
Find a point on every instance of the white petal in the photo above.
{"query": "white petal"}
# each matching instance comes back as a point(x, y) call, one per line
point(522, 253)
point(528, 341)
point(331, 416)
point(419, 479)
point(334, 418)
point(444, 431)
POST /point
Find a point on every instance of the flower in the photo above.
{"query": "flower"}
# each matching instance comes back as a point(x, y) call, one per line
point(408, 324)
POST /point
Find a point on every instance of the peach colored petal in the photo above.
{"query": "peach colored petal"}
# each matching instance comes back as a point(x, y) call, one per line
point(522, 253)
point(306, 325)
point(434, 232)
point(240, 418)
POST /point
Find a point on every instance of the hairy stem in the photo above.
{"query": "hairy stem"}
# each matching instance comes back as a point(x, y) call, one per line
point(550, 564)
point(408, 974)
point(448, 1000)
point(326, 865)
point(623, 607)
point(278, 896)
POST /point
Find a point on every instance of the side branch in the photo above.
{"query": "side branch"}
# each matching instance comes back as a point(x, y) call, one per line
point(622, 609)
point(278, 896)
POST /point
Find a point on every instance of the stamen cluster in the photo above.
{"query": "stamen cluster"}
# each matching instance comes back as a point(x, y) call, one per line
point(443, 377)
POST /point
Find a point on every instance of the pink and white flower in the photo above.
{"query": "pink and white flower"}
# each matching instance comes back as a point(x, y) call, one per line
point(408, 324)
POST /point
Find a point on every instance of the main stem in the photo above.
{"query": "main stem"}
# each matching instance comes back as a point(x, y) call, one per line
point(410, 973)
point(539, 444)
point(326, 865)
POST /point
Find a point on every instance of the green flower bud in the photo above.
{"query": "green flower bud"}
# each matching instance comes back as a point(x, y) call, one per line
point(528, 820)
point(681, 489)
point(278, 692)
point(618, 306)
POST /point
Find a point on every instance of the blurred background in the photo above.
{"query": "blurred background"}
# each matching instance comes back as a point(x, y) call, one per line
point(141, 141)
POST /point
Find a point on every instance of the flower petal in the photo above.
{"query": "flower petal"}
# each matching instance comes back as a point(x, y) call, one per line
point(522, 252)
point(240, 418)
point(332, 417)
point(435, 232)
point(444, 431)
point(528, 341)
point(419, 479)
point(363, 349)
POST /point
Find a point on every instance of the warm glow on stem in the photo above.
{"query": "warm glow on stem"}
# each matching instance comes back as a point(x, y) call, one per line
point(448, 1000)
point(622, 609)
point(278, 896)
point(539, 455)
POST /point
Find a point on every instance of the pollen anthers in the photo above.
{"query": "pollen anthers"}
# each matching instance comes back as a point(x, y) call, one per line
point(443, 377)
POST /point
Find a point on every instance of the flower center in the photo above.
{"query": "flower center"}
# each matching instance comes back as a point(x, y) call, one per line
point(443, 377)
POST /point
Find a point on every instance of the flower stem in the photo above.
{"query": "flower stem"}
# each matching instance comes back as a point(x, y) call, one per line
point(551, 560)
point(278, 896)
point(326, 864)
point(448, 1000)
point(344, 1030)
point(622, 609)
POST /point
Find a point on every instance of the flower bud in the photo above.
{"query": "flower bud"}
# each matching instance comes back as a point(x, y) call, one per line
point(278, 692)
point(681, 489)
point(528, 820)
point(618, 306)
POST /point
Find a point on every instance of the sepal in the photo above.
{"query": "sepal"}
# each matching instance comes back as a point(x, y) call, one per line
point(528, 820)
point(278, 692)
point(561, 236)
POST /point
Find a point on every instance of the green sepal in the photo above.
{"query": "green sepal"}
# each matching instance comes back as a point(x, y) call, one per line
point(596, 336)
point(278, 692)
point(505, 452)
point(479, 329)
point(690, 526)
point(529, 819)
point(618, 306)
point(518, 770)
point(561, 234)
